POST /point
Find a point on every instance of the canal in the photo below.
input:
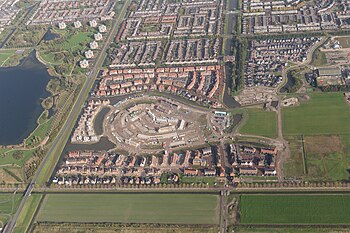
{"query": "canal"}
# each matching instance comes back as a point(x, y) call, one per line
point(22, 89)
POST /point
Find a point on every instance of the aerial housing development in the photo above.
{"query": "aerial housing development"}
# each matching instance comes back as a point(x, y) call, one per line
point(168, 47)
point(8, 12)
point(52, 11)
point(158, 116)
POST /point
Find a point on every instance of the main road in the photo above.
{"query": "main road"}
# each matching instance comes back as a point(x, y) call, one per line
point(65, 131)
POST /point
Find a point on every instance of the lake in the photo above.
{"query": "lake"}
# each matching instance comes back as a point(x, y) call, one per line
point(21, 90)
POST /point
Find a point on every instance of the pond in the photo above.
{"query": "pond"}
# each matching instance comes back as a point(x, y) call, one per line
point(22, 89)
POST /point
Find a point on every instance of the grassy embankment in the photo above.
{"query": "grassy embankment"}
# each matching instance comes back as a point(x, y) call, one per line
point(25, 218)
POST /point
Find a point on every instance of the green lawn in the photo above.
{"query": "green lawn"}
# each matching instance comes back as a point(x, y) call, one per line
point(260, 122)
point(4, 55)
point(198, 179)
point(8, 206)
point(130, 208)
point(27, 213)
point(77, 40)
point(324, 113)
point(9, 157)
point(295, 209)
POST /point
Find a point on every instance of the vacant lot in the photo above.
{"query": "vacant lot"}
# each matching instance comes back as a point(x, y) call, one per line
point(324, 113)
point(260, 122)
point(326, 157)
point(319, 58)
point(130, 208)
point(295, 209)
point(112, 228)
point(344, 41)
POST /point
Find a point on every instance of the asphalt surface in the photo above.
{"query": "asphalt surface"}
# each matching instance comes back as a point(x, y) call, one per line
point(72, 117)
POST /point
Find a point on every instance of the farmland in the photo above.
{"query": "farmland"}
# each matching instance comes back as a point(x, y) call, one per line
point(261, 123)
point(324, 113)
point(130, 208)
point(306, 229)
point(295, 209)
point(137, 228)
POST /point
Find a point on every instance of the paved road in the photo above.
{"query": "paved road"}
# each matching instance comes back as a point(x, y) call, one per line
point(72, 117)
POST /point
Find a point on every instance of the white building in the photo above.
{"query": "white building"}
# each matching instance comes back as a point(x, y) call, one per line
point(98, 36)
point(93, 23)
point(77, 24)
point(89, 54)
point(94, 45)
point(102, 28)
point(62, 25)
point(84, 63)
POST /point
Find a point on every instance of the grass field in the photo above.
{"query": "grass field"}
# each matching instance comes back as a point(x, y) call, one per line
point(327, 157)
point(8, 205)
point(324, 113)
point(101, 228)
point(319, 58)
point(310, 229)
point(27, 213)
point(5, 54)
point(295, 209)
point(130, 208)
point(11, 175)
point(261, 123)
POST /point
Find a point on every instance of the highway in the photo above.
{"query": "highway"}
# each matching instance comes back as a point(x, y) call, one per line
point(66, 129)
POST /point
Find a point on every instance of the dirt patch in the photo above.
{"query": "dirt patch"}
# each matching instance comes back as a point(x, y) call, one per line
point(304, 98)
point(6, 178)
point(323, 145)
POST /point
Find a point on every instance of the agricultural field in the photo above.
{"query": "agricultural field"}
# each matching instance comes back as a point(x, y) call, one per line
point(109, 228)
point(324, 113)
point(8, 206)
point(295, 209)
point(344, 41)
point(326, 157)
point(299, 229)
point(260, 122)
point(130, 208)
